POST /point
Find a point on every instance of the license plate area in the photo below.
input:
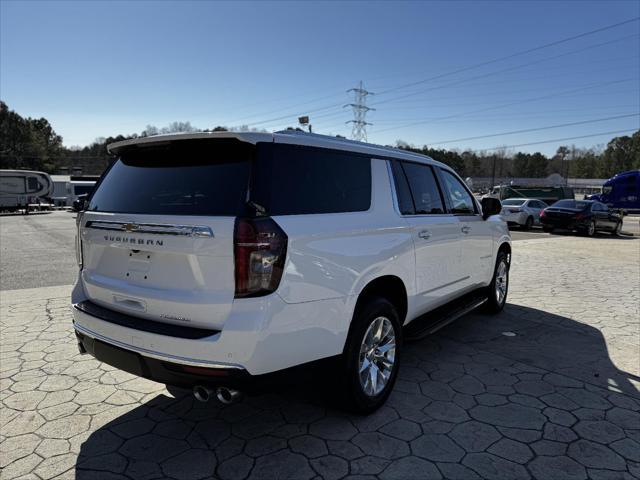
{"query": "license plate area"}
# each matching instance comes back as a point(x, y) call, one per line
point(118, 357)
point(139, 265)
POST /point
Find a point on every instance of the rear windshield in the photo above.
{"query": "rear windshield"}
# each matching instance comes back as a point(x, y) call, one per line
point(203, 177)
point(515, 203)
point(572, 204)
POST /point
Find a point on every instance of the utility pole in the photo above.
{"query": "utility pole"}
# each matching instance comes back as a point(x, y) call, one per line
point(360, 109)
point(493, 171)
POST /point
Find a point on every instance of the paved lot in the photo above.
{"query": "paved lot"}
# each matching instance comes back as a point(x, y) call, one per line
point(559, 399)
point(37, 250)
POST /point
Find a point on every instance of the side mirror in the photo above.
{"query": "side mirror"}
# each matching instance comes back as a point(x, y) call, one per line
point(80, 204)
point(490, 206)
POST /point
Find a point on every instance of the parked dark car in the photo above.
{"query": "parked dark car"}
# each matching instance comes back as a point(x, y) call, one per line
point(584, 216)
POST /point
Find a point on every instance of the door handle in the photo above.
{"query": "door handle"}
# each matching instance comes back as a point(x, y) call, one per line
point(466, 229)
point(424, 234)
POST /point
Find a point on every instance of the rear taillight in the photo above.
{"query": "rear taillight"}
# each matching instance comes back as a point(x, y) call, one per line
point(542, 214)
point(260, 248)
point(79, 252)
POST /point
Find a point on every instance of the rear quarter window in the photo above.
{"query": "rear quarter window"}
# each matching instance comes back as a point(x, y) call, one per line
point(295, 180)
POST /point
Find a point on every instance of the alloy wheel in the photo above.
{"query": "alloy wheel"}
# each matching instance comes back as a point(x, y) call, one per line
point(377, 356)
point(502, 281)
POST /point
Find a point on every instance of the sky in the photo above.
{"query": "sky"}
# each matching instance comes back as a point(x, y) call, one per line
point(440, 73)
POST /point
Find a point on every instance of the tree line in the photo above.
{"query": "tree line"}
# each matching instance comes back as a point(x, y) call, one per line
point(620, 154)
point(32, 144)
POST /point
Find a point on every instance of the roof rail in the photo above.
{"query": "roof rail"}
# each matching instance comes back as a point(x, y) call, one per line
point(344, 140)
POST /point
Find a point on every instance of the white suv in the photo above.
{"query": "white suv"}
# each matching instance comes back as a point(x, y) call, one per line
point(218, 261)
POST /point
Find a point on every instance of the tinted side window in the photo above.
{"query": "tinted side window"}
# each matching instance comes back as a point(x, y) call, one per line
point(424, 188)
point(405, 202)
point(32, 184)
point(460, 199)
point(294, 180)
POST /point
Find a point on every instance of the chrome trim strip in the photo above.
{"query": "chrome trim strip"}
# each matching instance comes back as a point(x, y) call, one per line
point(447, 284)
point(200, 231)
point(151, 354)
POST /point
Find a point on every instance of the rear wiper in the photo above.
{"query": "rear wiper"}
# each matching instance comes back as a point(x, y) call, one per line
point(259, 209)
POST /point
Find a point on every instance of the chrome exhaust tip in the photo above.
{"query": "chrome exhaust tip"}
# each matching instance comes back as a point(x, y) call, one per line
point(202, 394)
point(228, 395)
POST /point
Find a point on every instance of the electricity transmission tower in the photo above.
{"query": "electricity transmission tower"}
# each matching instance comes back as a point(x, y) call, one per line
point(360, 109)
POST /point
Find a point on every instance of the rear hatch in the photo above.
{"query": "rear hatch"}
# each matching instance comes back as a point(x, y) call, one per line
point(557, 212)
point(157, 237)
point(560, 216)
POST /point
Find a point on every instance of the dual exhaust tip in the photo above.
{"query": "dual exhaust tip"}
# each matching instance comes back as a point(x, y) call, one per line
point(223, 394)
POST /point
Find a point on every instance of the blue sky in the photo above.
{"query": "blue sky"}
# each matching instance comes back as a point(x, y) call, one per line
point(103, 68)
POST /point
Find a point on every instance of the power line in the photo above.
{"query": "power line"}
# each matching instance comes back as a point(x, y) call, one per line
point(516, 54)
point(549, 127)
point(508, 69)
point(523, 115)
point(284, 109)
point(299, 112)
point(295, 114)
point(600, 134)
point(423, 102)
point(543, 97)
point(464, 103)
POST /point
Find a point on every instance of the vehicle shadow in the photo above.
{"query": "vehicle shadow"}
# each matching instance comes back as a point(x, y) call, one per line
point(182, 438)
point(550, 342)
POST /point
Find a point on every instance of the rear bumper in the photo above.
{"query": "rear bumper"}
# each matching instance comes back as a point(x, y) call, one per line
point(163, 371)
point(517, 218)
point(260, 336)
point(563, 224)
point(185, 376)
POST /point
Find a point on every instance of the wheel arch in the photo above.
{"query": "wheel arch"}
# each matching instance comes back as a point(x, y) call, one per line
point(506, 248)
point(390, 287)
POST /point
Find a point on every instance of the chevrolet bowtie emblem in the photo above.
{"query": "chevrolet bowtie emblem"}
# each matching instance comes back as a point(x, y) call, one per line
point(130, 227)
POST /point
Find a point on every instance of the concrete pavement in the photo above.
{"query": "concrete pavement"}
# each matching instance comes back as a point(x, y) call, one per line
point(37, 250)
point(549, 389)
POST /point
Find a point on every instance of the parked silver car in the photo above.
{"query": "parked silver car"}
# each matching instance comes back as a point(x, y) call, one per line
point(524, 212)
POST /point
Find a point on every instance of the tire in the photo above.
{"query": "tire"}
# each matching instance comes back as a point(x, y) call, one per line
point(497, 297)
point(547, 229)
point(359, 394)
point(591, 229)
point(528, 224)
